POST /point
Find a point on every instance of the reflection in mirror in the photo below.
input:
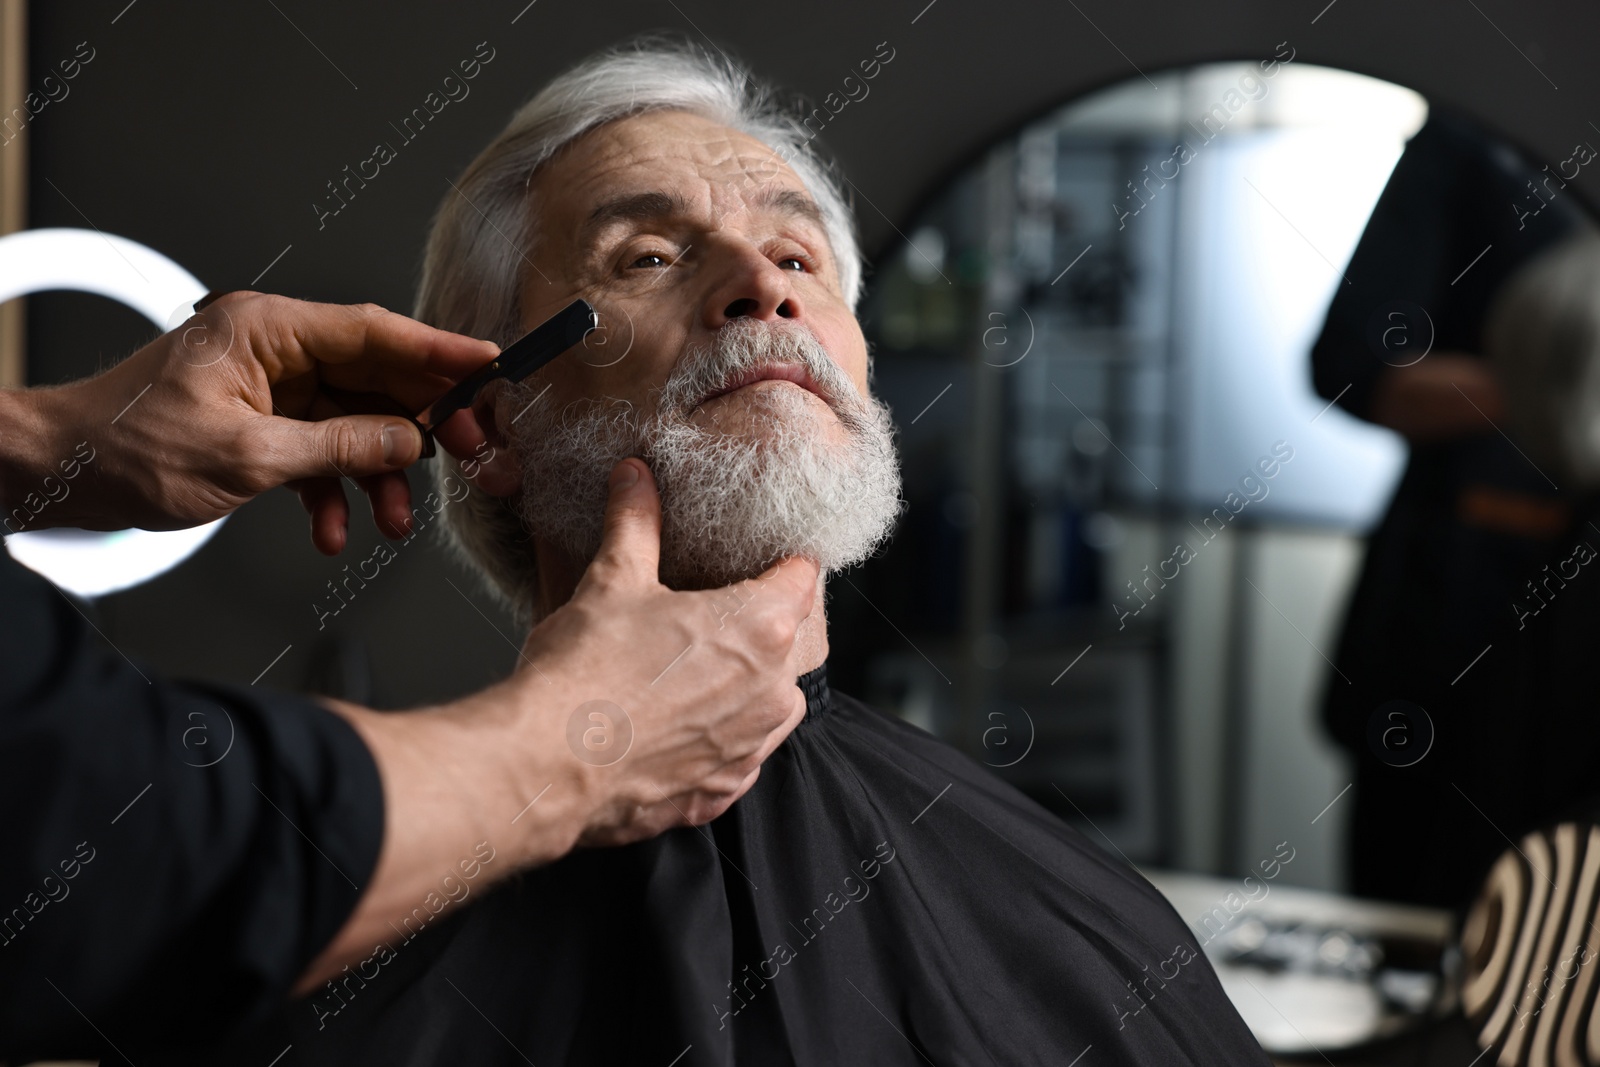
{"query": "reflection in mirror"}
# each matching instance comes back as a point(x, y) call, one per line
point(1123, 327)
point(1163, 362)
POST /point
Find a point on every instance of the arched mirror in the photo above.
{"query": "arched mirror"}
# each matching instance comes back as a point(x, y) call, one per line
point(1161, 365)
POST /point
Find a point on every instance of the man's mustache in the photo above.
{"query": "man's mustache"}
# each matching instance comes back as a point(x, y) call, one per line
point(746, 345)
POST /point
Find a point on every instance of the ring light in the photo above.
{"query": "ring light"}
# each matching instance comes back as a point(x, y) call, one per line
point(80, 561)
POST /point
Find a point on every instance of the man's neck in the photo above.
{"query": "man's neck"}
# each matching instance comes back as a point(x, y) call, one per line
point(559, 575)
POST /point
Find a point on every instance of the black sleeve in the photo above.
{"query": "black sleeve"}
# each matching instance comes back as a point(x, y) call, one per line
point(172, 856)
point(1455, 219)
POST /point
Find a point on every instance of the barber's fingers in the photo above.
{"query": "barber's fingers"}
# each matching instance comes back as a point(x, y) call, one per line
point(360, 347)
point(350, 446)
point(772, 607)
point(796, 713)
point(725, 779)
point(693, 808)
point(793, 582)
point(700, 806)
point(323, 499)
point(714, 795)
point(630, 549)
point(390, 495)
point(745, 786)
point(461, 434)
point(785, 606)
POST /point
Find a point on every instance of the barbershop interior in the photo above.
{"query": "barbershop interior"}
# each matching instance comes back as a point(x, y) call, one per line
point(1244, 369)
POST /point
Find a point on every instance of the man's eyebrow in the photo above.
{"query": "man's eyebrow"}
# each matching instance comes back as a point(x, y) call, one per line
point(650, 206)
point(634, 208)
point(792, 202)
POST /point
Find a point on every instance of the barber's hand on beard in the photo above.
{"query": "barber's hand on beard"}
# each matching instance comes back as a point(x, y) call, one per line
point(253, 392)
point(705, 678)
point(706, 681)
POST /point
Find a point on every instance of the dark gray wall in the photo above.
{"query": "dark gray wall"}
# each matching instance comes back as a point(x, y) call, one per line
point(207, 131)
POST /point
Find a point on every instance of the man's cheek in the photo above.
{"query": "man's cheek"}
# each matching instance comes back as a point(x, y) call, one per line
point(853, 363)
point(638, 376)
point(566, 380)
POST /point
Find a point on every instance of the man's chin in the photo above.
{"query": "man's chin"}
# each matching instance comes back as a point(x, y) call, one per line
point(765, 431)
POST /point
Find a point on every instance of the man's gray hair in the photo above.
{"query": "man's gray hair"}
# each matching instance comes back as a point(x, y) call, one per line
point(477, 257)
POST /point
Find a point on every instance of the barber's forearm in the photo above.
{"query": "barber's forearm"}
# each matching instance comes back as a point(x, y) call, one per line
point(35, 456)
point(457, 787)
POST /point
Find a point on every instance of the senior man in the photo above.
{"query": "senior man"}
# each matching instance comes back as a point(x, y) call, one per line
point(876, 897)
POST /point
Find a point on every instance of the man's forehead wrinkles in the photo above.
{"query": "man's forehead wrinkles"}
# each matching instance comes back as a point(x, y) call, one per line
point(649, 196)
point(739, 159)
point(722, 150)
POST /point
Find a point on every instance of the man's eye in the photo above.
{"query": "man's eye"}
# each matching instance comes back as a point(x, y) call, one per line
point(797, 264)
point(651, 260)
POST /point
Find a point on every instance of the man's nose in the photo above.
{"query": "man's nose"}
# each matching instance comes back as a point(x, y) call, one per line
point(754, 287)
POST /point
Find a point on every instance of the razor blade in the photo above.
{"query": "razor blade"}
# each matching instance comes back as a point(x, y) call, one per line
point(550, 339)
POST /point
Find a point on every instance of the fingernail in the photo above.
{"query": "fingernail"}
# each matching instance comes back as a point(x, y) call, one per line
point(624, 476)
point(395, 443)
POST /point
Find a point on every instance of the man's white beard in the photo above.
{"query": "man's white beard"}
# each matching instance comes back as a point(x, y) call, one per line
point(732, 502)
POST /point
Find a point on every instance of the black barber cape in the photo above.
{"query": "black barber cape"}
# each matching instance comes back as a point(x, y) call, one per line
point(876, 898)
point(171, 857)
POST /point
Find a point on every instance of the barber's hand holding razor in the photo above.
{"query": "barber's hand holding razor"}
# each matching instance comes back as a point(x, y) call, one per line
point(252, 392)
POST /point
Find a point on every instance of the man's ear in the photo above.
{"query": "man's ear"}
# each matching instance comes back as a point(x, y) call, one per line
point(488, 462)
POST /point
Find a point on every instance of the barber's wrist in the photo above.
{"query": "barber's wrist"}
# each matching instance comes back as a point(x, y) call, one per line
point(472, 768)
point(541, 796)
